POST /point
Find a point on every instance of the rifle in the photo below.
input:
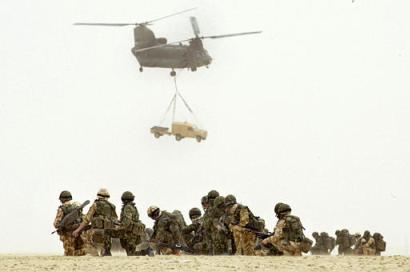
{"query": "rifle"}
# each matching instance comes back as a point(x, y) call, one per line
point(176, 246)
point(71, 217)
point(260, 234)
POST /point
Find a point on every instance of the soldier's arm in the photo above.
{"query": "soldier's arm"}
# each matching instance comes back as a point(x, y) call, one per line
point(244, 217)
point(189, 229)
point(278, 234)
point(59, 217)
point(115, 216)
point(86, 220)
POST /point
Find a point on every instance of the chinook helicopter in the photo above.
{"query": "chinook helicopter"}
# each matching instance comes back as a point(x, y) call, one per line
point(154, 52)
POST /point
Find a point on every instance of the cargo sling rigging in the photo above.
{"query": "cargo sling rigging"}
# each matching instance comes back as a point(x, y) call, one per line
point(173, 105)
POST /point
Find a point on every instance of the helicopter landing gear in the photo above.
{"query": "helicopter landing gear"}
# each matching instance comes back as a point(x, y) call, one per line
point(141, 69)
point(173, 73)
point(193, 69)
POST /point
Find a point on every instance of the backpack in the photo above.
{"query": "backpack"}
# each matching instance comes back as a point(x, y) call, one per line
point(380, 245)
point(254, 221)
point(293, 229)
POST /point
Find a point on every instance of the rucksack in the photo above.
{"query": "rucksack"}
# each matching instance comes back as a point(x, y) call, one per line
point(380, 245)
point(254, 222)
point(293, 229)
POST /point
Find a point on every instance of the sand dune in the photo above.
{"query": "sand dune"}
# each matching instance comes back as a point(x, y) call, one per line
point(203, 263)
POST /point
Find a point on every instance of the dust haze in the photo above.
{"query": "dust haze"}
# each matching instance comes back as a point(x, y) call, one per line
point(313, 112)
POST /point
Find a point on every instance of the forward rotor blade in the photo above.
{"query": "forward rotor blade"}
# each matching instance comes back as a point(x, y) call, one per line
point(105, 24)
point(159, 46)
point(231, 35)
point(170, 15)
point(134, 24)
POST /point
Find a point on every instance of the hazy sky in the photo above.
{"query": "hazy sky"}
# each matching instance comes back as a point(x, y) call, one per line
point(313, 112)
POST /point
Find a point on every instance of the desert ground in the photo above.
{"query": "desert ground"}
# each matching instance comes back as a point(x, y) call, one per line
point(203, 263)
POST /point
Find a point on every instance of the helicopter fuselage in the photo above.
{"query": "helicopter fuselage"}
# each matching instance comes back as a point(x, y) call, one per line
point(170, 56)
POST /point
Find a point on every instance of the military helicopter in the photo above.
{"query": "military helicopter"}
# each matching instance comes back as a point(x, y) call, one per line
point(157, 52)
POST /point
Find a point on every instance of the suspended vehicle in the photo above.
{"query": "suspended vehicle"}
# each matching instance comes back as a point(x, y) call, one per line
point(154, 52)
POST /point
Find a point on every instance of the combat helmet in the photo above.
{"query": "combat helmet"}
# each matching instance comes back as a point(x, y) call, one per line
point(194, 212)
point(153, 211)
point(324, 234)
point(230, 200)
point(204, 200)
point(127, 196)
point(65, 195)
point(213, 194)
point(103, 193)
point(282, 208)
point(315, 234)
point(219, 201)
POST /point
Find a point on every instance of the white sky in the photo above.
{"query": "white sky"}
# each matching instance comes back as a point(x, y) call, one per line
point(314, 112)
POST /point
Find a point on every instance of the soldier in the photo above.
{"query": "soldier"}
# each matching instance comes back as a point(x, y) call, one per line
point(288, 233)
point(131, 231)
point(167, 233)
point(368, 244)
point(345, 241)
point(208, 220)
point(242, 221)
point(219, 232)
point(380, 243)
point(193, 234)
point(329, 243)
point(73, 246)
point(102, 217)
point(317, 249)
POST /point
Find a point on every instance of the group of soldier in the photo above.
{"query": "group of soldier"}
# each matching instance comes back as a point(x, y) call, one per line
point(348, 244)
point(222, 227)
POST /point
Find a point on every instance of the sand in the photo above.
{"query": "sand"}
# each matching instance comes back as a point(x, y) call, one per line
point(202, 263)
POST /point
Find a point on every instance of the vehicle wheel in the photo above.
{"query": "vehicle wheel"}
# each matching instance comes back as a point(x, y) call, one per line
point(157, 135)
point(141, 69)
point(198, 139)
point(178, 137)
point(173, 73)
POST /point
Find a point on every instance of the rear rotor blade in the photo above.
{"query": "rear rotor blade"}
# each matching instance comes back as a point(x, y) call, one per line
point(159, 46)
point(195, 27)
point(231, 35)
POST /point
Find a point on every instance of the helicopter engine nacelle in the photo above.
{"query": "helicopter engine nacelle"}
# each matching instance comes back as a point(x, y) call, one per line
point(162, 40)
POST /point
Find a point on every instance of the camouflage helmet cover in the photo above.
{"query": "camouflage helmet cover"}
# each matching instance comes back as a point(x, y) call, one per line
point(230, 200)
point(213, 194)
point(65, 195)
point(281, 208)
point(127, 196)
point(194, 212)
point(103, 193)
point(315, 234)
point(219, 201)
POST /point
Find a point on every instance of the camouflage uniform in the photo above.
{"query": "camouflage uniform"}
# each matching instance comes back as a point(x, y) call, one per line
point(244, 240)
point(73, 246)
point(102, 216)
point(380, 243)
point(328, 243)
point(166, 232)
point(132, 231)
